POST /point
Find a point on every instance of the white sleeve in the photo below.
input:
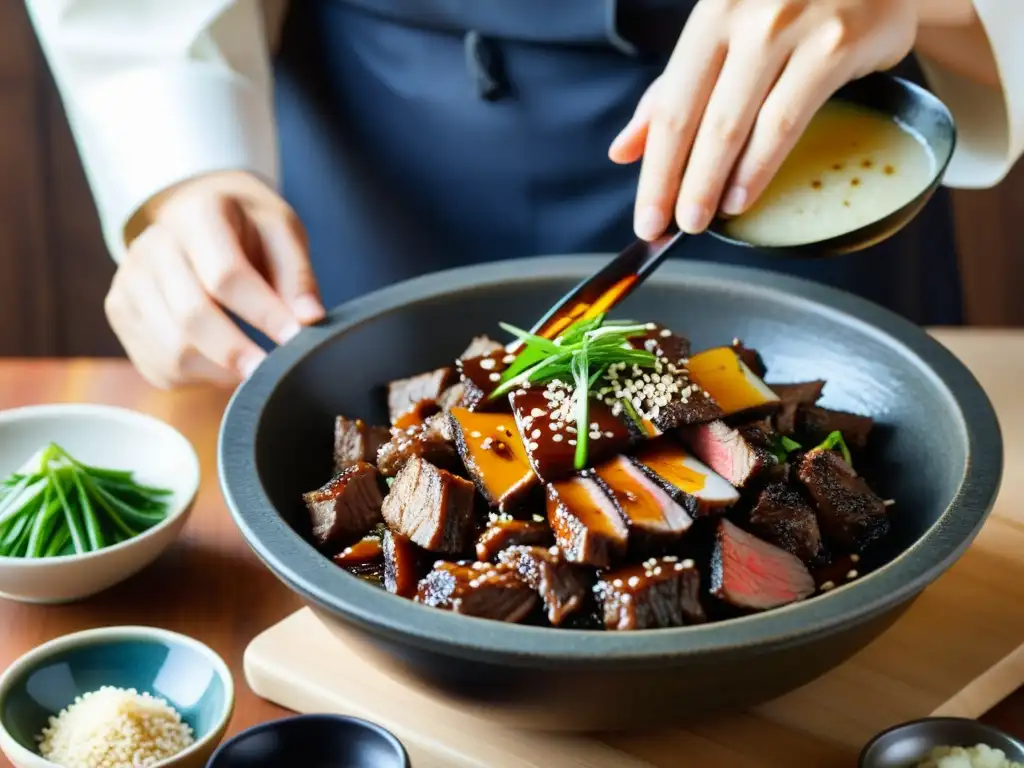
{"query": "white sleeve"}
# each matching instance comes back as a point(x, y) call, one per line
point(990, 124)
point(158, 91)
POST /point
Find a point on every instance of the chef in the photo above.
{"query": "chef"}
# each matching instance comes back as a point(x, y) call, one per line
point(258, 162)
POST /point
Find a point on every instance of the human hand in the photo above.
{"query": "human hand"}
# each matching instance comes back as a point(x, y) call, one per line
point(743, 82)
point(219, 242)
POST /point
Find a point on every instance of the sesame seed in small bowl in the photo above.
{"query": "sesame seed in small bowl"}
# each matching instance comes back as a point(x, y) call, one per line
point(118, 697)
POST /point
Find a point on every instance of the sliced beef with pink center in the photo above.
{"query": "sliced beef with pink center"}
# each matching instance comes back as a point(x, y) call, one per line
point(560, 584)
point(431, 506)
point(735, 454)
point(485, 590)
point(662, 592)
point(750, 573)
point(346, 507)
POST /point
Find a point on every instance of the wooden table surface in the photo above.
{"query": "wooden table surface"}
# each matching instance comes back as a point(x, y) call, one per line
point(211, 586)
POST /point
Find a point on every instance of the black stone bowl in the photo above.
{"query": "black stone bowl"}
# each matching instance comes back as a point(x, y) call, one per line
point(937, 451)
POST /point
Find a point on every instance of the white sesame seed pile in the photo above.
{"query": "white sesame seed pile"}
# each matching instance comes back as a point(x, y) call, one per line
point(114, 728)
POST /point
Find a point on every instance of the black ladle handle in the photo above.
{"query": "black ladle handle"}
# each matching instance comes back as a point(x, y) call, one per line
point(607, 287)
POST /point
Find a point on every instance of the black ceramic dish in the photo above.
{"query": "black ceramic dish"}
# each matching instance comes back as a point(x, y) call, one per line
point(907, 744)
point(916, 109)
point(312, 741)
point(939, 454)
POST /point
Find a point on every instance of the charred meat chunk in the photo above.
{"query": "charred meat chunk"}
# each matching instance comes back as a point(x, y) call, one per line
point(406, 394)
point(431, 440)
point(480, 376)
point(452, 397)
point(650, 513)
point(817, 423)
point(750, 573)
point(485, 590)
point(783, 517)
point(851, 516)
point(560, 584)
point(656, 400)
point(793, 397)
point(431, 506)
point(355, 441)
point(587, 526)
point(494, 456)
point(734, 454)
point(695, 487)
point(736, 389)
point(662, 592)
point(346, 507)
point(403, 564)
point(545, 418)
point(504, 533)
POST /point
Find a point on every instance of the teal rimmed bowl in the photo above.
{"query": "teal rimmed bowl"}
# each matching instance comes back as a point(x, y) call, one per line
point(185, 673)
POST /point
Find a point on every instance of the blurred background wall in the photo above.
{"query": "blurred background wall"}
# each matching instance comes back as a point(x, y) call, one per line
point(54, 269)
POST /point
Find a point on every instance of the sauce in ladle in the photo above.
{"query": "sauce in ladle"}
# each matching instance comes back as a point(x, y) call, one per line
point(852, 166)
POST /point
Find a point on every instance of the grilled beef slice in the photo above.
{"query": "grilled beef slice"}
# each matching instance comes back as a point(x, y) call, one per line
point(486, 590)
point(480, 376)
point(431, 506)
point(356, 441)
point(782, 517)
point(504, 533)
point(695, 487)
point(793, 397)
point(431, 440)
point(587, 526)
point(452, 397)
point(406, 394)
point(651, 514)
point(816, 423)
point(735, 454)
point(403, 564)
point(545, 419)
point(494, 456)
point(346, 507)
point(851, 516)
point(662, 592)
point(560, 584)
point(750, 573)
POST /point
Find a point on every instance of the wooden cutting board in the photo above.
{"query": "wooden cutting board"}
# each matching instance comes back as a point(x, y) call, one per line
point(954, 652)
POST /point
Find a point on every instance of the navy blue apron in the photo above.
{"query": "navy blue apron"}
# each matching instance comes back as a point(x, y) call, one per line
point(419, 135)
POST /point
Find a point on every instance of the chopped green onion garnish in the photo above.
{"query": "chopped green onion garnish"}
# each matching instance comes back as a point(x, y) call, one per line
point(833, 441)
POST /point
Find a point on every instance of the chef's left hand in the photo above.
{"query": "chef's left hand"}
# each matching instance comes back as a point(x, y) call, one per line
point(740, 87)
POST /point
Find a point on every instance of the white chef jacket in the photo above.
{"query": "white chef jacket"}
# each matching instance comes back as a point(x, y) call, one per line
point(159, 91)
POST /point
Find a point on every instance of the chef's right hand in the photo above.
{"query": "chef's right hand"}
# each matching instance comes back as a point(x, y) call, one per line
point(219, 242)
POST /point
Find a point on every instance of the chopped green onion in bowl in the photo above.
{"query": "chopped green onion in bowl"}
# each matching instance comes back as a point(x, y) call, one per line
point(56, 505)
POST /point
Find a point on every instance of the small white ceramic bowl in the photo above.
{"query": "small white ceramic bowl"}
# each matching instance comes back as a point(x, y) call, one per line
point(105, 436)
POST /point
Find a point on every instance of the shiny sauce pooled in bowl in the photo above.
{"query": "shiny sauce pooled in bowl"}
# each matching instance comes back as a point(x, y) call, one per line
point(851, 167)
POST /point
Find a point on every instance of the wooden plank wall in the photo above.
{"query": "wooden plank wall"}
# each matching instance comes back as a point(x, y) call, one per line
point(54, 269)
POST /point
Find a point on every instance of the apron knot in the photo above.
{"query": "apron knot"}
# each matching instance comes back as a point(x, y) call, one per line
point(483, 60)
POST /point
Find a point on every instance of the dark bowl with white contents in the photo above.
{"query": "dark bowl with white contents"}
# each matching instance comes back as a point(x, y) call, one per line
point(935, 450)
